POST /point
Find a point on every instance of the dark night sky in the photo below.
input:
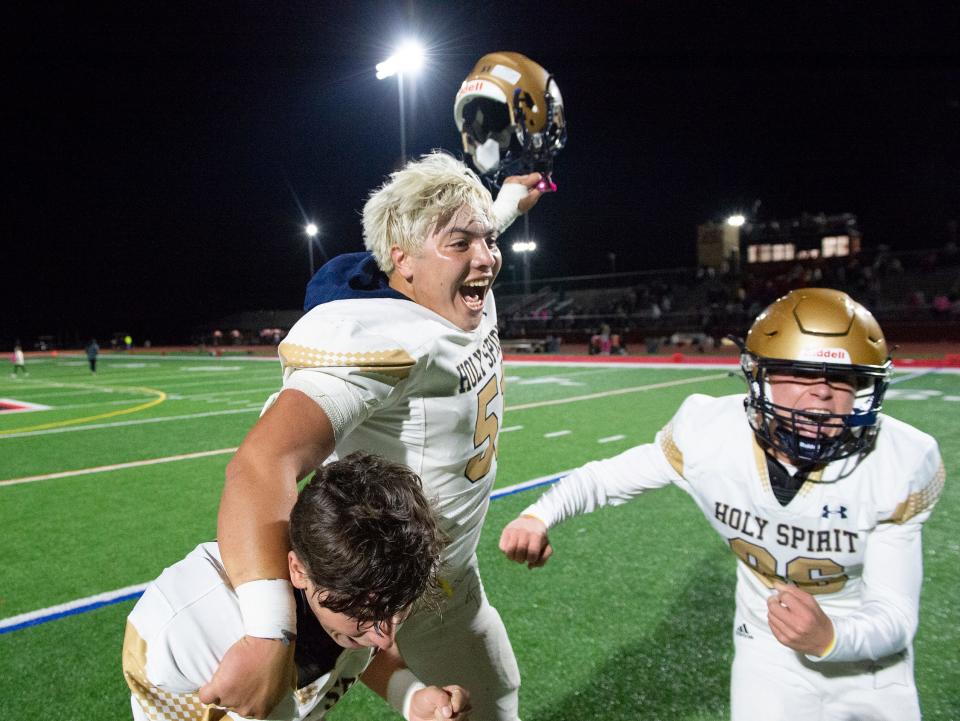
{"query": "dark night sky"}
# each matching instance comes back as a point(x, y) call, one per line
point(154, 151)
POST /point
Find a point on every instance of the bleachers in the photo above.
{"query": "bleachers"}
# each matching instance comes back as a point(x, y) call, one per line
point(899, 289)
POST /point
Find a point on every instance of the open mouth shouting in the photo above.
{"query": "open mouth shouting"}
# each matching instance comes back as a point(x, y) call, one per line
point(473, 292)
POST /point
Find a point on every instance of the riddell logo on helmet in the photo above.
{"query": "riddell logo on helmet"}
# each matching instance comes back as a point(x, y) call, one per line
point(834, 355)
point(470, 86)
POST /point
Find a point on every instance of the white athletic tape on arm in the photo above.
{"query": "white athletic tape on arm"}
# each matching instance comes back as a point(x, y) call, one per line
point(505, 206)
point(268, 609)
point(400, 689)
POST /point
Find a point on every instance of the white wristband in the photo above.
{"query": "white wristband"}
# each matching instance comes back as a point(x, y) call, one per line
point(268, 608)
point(505, 209)
point(400, 689)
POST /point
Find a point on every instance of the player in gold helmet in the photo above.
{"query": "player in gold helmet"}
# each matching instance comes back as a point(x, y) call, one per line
point(820, 497)
point(806, 335)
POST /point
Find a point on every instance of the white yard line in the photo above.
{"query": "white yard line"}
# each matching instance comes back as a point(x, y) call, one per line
point(557, 434)
point(611, 439)
point(116, 466)
point(71, 608)
point(118, 424)
point(175, 397)
point(617, 392)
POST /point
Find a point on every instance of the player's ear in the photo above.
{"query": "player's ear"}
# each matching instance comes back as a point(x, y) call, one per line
point(402, 263)
point(298, 573)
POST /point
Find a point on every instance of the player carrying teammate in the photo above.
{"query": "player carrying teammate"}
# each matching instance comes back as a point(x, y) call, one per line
point(400, 355)
point(820, 497)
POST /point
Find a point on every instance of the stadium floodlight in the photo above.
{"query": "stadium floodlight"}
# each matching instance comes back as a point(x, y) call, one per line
point(409, 59)
point(311, 229)
point(525, 248)
point(736, 220)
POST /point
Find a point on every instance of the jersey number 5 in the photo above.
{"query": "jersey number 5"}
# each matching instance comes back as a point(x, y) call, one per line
point(487, 427)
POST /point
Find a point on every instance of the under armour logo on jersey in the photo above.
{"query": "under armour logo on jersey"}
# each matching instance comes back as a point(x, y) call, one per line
point(842, 511)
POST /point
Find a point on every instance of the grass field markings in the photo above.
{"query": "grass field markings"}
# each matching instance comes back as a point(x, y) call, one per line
point(130, 593)
point(911, 375)
point(168, 379)
point(510, 429)
point(611, 439)
point(170, 397)
point(210, 369)
point(171, 375)
point(54, 425)
point(556, 434)
point(117, 466)
point(617, 392)
point(15, 405)
point(593, 370)
point(217, 394)
point(97, 426)
point(72, 608)
point(73, 406)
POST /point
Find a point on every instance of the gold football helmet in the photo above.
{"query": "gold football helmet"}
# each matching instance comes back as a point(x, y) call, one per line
point(816, 333)
point(509, 112)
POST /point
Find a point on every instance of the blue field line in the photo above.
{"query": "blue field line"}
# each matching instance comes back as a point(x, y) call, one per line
point(131, 593)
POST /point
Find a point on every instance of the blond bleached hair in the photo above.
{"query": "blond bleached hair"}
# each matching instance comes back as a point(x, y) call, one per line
point(418, 199)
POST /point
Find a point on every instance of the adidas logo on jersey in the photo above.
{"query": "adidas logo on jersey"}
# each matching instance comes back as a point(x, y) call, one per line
point(827, 511)
point(742, 630)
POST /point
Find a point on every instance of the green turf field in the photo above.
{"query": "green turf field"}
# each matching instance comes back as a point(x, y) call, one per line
point(612, 628)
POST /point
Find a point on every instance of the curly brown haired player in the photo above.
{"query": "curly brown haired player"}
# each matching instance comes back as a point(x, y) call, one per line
point(365, 545)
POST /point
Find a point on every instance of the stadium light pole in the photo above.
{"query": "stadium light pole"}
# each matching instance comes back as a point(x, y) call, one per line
point(524, 248)
point(311, 230)
point(408, 59)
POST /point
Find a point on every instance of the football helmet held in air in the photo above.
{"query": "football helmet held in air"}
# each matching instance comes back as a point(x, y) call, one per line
point(816, 333)
point(509, 112)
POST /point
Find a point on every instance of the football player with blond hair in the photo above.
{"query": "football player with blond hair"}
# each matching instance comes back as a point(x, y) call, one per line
point(821, 498)
point(397, 354)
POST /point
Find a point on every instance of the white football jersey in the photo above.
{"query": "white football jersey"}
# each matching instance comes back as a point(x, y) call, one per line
point(180, 629)
point(851, 535)
point(398, 380)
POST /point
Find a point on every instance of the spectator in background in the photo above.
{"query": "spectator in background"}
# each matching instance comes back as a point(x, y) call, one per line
point(93, 350)
point(941, 305)
point(600, 344)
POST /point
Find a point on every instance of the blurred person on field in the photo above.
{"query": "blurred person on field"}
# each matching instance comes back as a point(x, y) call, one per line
point(19, 364)
point(92, 351)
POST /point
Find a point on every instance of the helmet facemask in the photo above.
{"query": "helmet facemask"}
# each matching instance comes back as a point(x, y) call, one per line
point(804, 436)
